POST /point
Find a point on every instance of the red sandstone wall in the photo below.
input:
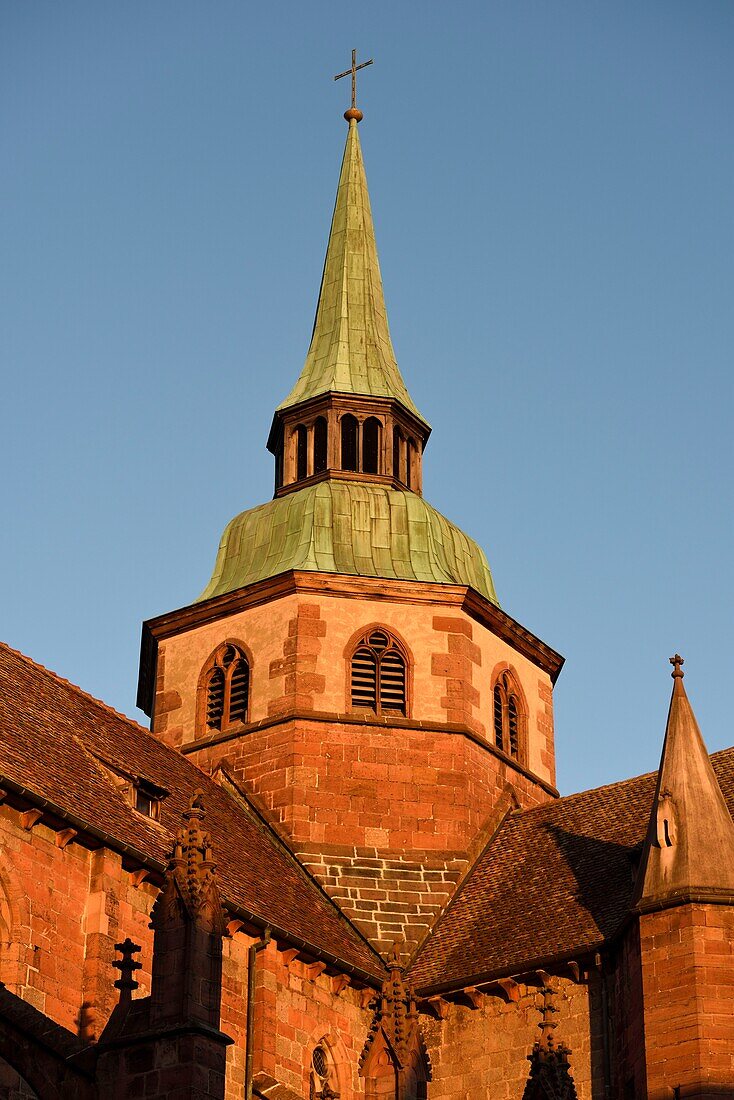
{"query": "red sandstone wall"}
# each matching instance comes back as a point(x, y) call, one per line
point(483, 1052)
point(388, 819)
point(65, 909)
point(388, 815)
point(626, 1008)
point(688, 988)
point(299, 663)
point(474, 1052)
point(299, 1006)
point(69, 906)
point(61, 913)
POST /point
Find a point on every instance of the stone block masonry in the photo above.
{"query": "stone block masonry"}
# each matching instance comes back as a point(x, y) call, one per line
point(688, 990)
point(385, 818)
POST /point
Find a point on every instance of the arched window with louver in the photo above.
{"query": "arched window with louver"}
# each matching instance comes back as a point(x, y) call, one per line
point(508, 716)
point(226, 689)
point(378, 674)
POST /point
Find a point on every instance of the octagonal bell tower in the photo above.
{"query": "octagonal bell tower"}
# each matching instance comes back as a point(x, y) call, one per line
point(348, 667)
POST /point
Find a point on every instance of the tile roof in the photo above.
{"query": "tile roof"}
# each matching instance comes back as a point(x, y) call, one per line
point(555, 881)
point(52, 735)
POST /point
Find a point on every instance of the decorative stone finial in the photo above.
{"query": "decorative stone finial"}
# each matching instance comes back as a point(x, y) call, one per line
point(393, 958)
point(676, 662)
point(196, 806)
point(547, 1023)
point(191, 878)
point(127, 966)
point(395, 1021)
point(549, 1062)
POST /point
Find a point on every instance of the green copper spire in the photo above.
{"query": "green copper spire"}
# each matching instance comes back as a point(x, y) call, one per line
point(351, 351)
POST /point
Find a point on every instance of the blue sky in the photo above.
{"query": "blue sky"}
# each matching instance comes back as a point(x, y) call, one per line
point(552, 190)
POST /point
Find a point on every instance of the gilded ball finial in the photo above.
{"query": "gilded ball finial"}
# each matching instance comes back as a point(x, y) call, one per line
point(353, 113)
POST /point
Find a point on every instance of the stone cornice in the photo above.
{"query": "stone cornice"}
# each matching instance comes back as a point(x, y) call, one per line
point(293, 582)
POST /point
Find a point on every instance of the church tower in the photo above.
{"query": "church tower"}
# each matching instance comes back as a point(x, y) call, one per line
point(348, 667)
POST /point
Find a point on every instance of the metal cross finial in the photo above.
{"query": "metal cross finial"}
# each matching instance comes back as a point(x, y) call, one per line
point(676, 662)
point(354, 112)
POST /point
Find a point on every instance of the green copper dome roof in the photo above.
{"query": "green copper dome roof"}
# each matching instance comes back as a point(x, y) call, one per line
point(355, 529)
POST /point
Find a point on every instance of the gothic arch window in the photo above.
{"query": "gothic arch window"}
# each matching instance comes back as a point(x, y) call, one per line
point(508, 714)
point(378, 674)
point(371, 430)
point(320, 445)
point(301, 452)
point(349, 440)
point(225, 689)
point(323, 1079)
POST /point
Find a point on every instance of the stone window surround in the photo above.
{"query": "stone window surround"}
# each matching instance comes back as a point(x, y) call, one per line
point(244, 652)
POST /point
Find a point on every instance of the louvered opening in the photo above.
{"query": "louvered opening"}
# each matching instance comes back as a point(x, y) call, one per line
point(378, 640)
point(320, 445)
point(498, 716)
point(371, 446)
point(364, 679)
point(513, 725)
point(397, 438)
point(239, 687)
point(301, 452)
point(409, 462)
point(392, 682)
point(349, 430)
point(215, 699)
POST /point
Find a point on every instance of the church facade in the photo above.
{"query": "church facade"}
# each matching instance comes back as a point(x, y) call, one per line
point(337, 864)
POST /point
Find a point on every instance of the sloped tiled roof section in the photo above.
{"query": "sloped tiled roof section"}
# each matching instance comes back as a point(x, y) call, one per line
point(52, 735)
point(556, 881)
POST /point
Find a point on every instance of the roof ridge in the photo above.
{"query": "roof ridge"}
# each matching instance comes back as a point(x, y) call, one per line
point(468, 875)
point(565, 798)
point(77, 690)
point(606, 787)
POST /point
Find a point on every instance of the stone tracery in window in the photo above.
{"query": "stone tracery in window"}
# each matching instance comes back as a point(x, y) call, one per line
point(378, 674)
point(226, 688)
point(322, 1077)
point(508, 716)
